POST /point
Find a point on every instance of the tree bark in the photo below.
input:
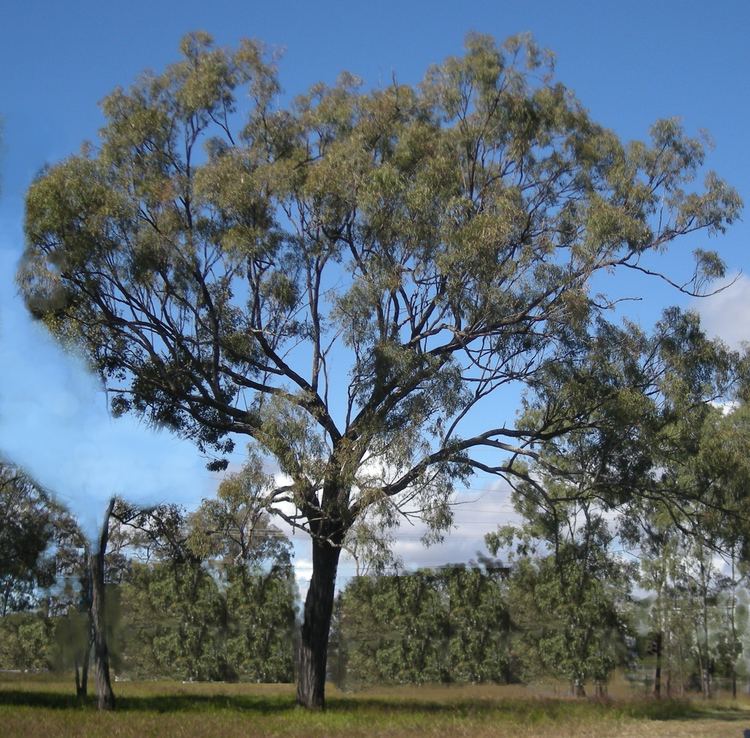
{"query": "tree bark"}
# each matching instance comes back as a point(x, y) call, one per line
point(733, 623)
point(105, 695)
point(82, 673)
point(82, 663)
point(657, 670)
point(313, 650)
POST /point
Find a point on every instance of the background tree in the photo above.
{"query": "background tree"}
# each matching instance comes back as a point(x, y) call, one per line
point(446, 625)
point(27, 531)
point(96, 556)
point(482, 630)
point(26, 641)
point(213, 595)
point(353, 279)
point(647, 400)
point(253, 558)
point(713, 466)
point(567, 595)
point(41, 551)
point(669, 623)
point(733, 619)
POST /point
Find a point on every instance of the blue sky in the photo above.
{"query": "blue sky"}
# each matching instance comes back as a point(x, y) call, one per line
point(630, 63)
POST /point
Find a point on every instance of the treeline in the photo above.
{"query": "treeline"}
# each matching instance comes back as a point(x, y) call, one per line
point(491, 623)
point(447, 625)
point(207, 595)
point(589, 579)
point(593, 576)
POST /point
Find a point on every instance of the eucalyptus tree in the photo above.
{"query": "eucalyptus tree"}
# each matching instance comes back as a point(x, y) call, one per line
point(208, 594)
point(446, 625)
point(708, 463)
point(234, 534)
point(567, 592)
point(726, 468)
point(172, 608)
point(733, 617)
point(27, 531)
point(234, 527)
point(353, 278)
point(628, 473)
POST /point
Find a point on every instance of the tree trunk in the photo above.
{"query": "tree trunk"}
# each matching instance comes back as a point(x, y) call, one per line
point(313, 649)
point(733, 623)
point(657, 670)
point(82, 673)
point(104, 693)
point(577, 687)
point(82, 658)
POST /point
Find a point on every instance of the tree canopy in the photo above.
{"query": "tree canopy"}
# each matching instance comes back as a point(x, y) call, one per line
point(34, 533)
point(351, 279)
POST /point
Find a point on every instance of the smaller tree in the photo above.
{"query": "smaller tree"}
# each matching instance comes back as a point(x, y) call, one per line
point(669, 610)
point(27, 530)
point(96, 557)
point(567, 596)
point(254, 561)
point(449, 625)
point(697, 510)
point(171, 606)
point(213, 596)
point(733, 618)
point(25, 641)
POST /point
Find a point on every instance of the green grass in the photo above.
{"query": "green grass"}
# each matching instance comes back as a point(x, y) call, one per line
point(46, 707)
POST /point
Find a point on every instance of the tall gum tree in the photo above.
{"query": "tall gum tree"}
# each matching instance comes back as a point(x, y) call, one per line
point(351, 279)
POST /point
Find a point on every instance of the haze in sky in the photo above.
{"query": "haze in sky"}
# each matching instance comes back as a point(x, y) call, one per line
point(630, 63)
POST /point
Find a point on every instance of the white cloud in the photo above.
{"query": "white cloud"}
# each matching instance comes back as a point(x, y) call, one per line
point(481, 511)
point(476, 513)
point(726, 315)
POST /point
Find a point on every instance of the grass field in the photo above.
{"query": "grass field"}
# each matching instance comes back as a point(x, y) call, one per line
point(46, 707)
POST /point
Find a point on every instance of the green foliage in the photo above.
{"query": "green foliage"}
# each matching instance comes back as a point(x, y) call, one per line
point(447, 625)
point(72, 640)
point(349, 278)
point(567, 592)
point(570, 615)
point(437, 240)
point(188, 622)
point(25, 642)
point(218, 599)
point(29, 526)
point(173, 621)
point(261, 627)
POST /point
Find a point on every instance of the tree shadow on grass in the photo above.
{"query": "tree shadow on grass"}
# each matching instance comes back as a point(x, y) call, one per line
point(268, 704)
point(49, 700)
point(545, 708)
point(524, 709)
point(176, 703)
point(684, 710)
